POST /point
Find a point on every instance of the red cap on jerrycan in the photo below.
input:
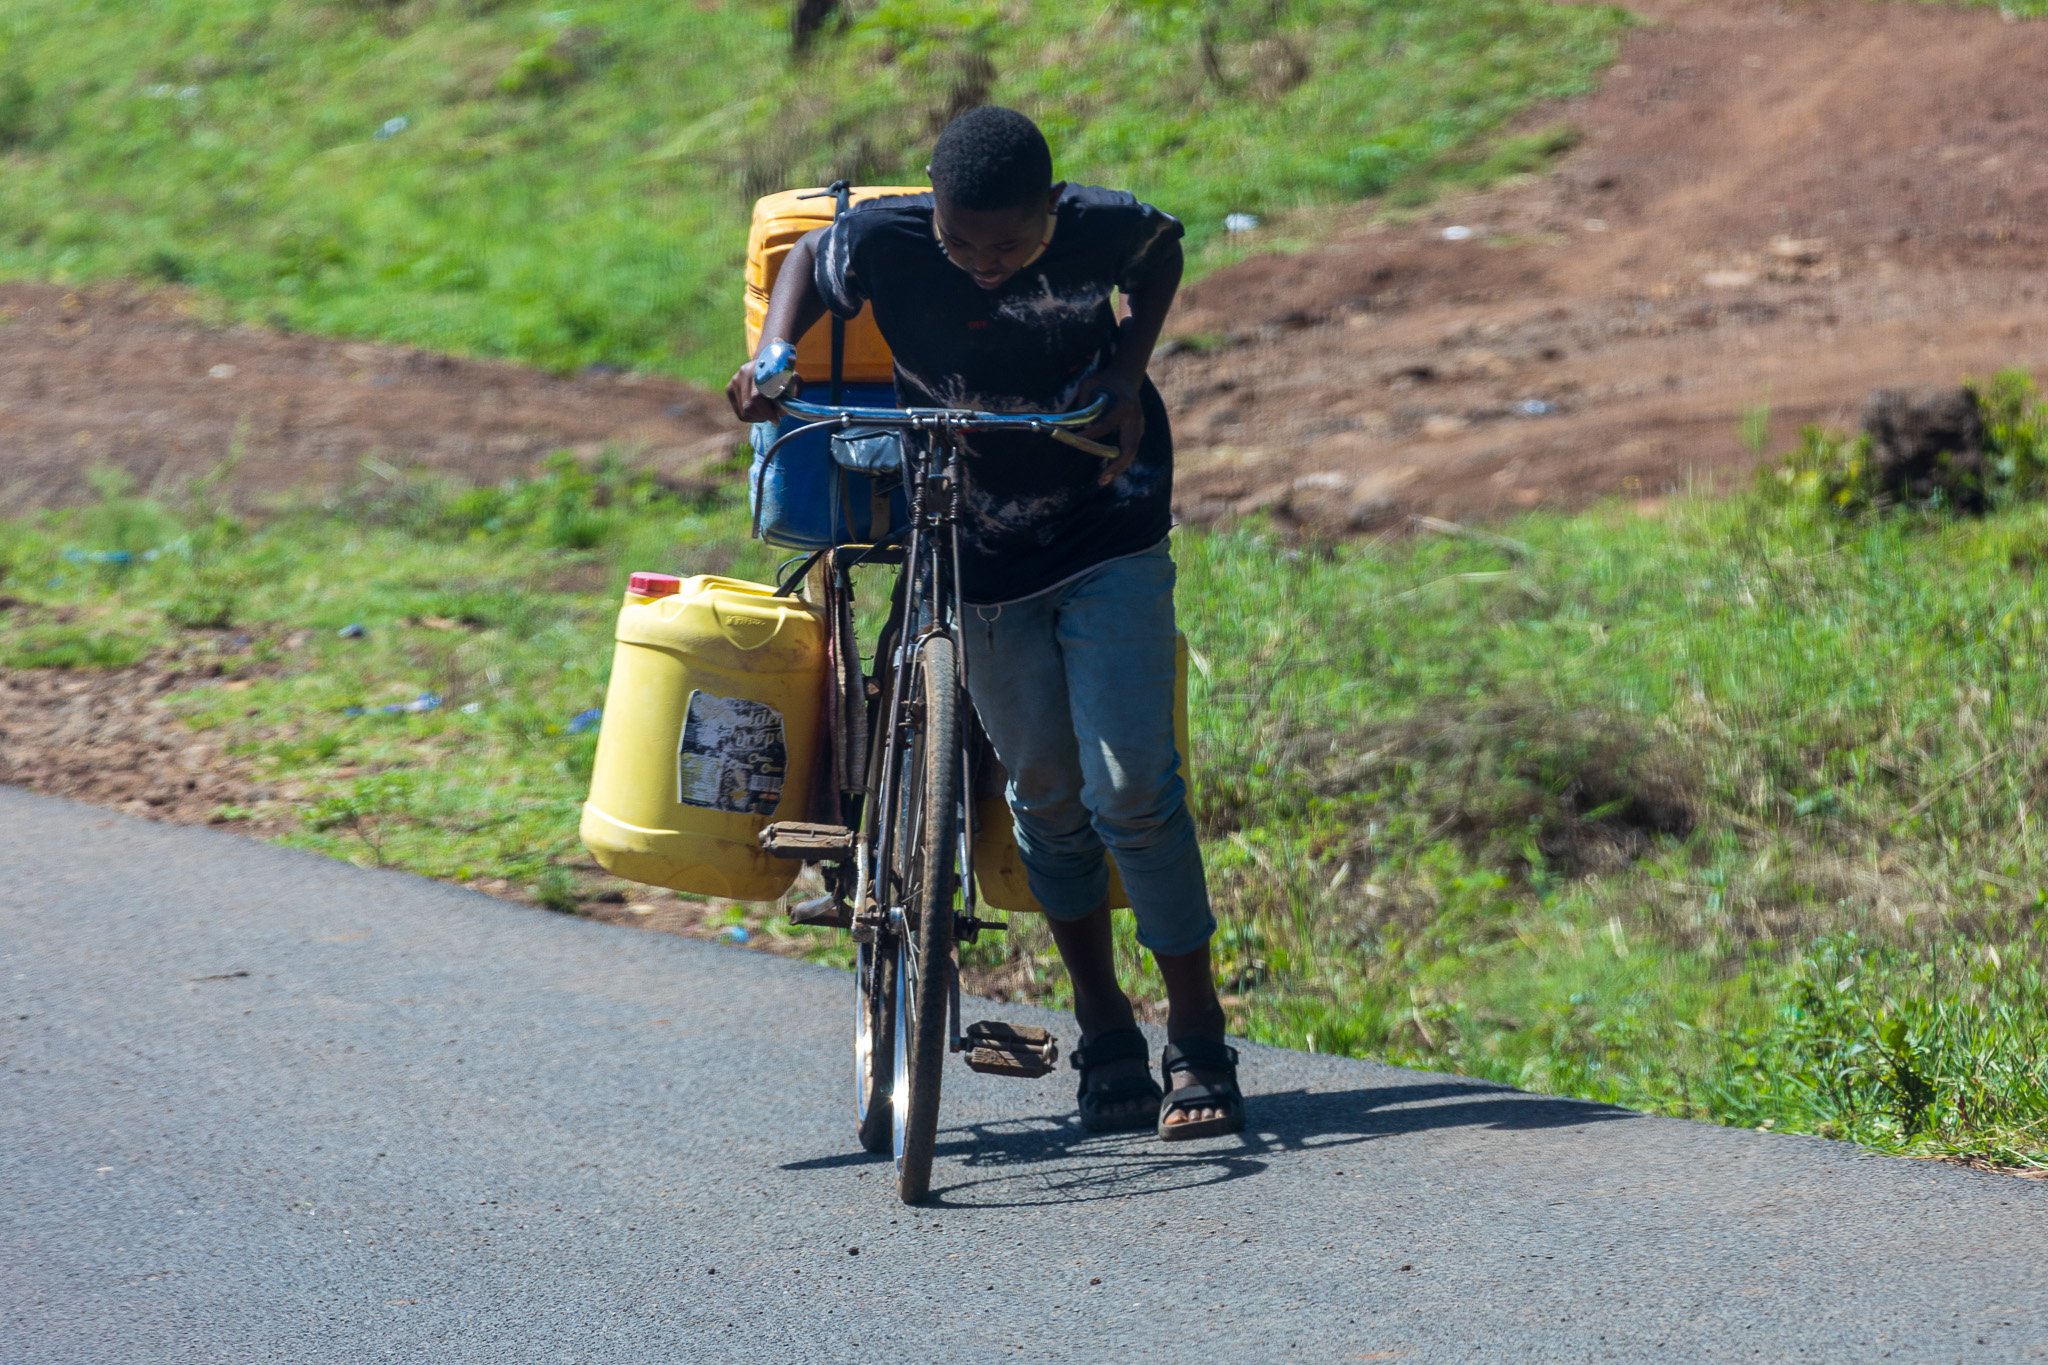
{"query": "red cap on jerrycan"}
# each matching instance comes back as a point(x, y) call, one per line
point(654, 585)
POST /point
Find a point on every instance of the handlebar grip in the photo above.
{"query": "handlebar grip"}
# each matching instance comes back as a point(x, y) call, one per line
point(1079, 442)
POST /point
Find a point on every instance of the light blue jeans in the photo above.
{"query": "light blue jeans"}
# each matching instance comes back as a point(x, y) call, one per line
point(1075, 687)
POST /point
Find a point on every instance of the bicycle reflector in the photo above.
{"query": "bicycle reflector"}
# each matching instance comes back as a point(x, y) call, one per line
point(654, 585)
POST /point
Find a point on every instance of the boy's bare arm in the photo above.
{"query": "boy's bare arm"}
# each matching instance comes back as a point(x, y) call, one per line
point(1124, 375)
point(793, 309)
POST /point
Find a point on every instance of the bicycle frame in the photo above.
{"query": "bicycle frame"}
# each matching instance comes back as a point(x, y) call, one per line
point(927, 603)
point(929, 593)
point(901, 902)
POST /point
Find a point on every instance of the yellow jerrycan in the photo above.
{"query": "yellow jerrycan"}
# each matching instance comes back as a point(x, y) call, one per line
point(780, 221)
point(711, 732)
point(998, 867)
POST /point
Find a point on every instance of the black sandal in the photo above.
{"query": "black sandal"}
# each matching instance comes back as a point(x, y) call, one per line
point(1200, 1054)
point(1139, 1095)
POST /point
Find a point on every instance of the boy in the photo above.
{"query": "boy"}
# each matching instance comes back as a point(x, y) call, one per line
point(993, 292)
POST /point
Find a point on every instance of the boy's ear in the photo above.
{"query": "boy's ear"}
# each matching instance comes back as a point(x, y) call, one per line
point(1052, 201)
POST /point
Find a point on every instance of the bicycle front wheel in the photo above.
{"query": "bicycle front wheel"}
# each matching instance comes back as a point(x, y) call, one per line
point(874, 1043)
point(928, 828)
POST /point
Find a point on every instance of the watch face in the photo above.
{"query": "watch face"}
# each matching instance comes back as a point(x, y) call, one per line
point(775, 371)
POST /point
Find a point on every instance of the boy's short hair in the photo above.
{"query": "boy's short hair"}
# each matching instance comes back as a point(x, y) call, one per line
point(991, 158)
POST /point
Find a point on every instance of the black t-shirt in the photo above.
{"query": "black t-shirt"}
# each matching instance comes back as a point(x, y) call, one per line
point(1035, 514)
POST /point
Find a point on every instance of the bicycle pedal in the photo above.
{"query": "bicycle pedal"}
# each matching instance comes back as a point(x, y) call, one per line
point(822, 912)
point(812, 843)
point(1019, 1050)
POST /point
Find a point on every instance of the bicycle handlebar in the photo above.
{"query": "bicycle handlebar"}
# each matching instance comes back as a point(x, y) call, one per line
point(775, 375)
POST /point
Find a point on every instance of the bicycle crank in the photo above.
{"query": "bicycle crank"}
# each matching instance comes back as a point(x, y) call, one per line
point(1009, 1049)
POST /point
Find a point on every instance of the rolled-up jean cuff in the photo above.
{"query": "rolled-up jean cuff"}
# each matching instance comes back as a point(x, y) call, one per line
point(1179, 946)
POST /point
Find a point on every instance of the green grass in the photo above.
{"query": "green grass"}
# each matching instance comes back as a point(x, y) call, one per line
point(57, 645)
point(2018, 9)
point(571, 185)
point(1733, 813)
point(497, 601)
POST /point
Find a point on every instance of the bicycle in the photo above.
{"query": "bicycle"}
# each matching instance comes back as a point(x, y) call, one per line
point(898, 863)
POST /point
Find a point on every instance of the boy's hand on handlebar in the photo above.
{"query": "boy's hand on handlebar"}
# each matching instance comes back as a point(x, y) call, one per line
point(747, 403)
point(1124, 418)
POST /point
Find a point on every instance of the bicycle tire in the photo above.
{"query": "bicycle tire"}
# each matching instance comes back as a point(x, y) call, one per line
point(930, 815)
point(874, 1044)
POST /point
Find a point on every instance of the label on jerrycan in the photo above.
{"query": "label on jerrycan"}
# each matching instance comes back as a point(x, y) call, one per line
point(732, 756)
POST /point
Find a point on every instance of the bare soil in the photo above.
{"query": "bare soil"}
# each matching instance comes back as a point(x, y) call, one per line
point(106, 736)
point(1771, 204)
point(133, 379)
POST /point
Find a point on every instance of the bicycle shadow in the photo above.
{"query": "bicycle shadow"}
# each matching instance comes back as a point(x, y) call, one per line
point(1050, 1159)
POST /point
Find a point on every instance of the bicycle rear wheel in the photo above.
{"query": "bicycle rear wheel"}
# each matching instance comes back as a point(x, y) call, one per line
point(874, 967)
point(928, 841)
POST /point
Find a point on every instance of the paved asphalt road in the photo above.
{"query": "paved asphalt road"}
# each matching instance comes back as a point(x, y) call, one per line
point(257, 1106)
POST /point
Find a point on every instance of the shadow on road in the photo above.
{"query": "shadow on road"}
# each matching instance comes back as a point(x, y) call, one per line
point(1051, 1160)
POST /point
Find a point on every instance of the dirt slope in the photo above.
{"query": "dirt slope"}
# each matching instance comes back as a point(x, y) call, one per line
point(130, 379)
point(1787, 204)
point(1781, 204)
